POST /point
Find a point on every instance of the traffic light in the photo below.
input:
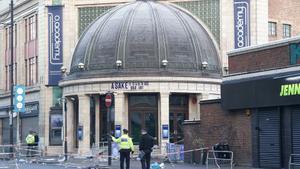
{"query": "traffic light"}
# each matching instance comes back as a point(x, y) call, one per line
point(19, 99)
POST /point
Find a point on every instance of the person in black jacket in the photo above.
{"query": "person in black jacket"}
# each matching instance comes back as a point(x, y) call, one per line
point(146, 144)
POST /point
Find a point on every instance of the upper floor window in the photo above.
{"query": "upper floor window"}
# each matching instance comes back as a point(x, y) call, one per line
point(287, 30)
point(31, 28)
point(272, 29)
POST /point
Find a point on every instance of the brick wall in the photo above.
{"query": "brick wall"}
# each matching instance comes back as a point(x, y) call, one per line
point(284, 12)
point(218, 125)
point(260, 60)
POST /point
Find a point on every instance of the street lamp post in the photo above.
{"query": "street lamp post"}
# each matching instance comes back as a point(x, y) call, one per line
point(11, 129)
point(108, 102)
point(63, 70)
point(65, 127)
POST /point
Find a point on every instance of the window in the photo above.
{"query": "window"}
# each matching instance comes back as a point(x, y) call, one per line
point(56, 124)
point(32, 28)
point(7, 74)
point(31, 71)
point(287, 30)
point(272, 29)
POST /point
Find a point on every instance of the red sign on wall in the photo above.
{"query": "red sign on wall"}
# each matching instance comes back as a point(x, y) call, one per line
point(108, 100)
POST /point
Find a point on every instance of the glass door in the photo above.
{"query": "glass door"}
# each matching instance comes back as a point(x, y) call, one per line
point(142, 115)
point(142, 120)
point(178, 113)
point(176, 127)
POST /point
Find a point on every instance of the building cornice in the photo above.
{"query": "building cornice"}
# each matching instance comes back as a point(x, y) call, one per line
point(150, 79)
point(33, 89)
point(261, 47)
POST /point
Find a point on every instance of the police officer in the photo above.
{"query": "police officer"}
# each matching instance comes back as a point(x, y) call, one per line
point(125, 146)
point(146, 144)
point(30, 141)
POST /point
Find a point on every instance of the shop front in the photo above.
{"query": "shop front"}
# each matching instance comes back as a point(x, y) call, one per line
point(272, 99)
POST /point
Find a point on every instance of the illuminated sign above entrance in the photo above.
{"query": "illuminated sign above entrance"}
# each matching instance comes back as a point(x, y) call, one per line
point(290, 89)
point(129, 85)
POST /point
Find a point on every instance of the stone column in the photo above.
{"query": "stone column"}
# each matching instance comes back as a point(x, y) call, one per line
point(70, 125)
point(120, 117)
point(164, 119)
point(84, 120)
point(199, 97)
point(97, 119)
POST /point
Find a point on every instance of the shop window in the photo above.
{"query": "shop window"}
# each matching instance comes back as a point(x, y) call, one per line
point(56, 124)
point(287, 30)
point(272, 29)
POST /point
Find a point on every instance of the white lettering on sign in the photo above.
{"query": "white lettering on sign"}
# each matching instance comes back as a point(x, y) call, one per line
point(134, 85)
point(57, 38)
point(240, 26)
point(241, 23)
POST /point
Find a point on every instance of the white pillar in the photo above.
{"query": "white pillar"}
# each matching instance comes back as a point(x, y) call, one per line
point(199, 97)
point(97, 120)
point(70, 125)
point(120, 114)
point(164, 119)
point(84, 120)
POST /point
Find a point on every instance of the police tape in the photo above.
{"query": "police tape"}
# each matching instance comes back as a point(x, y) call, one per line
point(87, 154)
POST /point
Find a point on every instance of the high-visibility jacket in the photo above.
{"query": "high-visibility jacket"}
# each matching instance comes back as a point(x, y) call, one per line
point(125, 142)
point(30, 139)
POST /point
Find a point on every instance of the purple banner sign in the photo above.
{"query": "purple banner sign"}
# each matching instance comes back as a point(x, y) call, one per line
point(241, 23)
point(55, 44)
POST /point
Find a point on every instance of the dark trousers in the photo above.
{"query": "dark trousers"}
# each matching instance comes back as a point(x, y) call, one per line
point(146, 161)
point(30, 149)
point(124, 155)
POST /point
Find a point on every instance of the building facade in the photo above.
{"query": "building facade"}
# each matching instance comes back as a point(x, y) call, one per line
point(283, 19)
point(32, 67)
point(259, 106)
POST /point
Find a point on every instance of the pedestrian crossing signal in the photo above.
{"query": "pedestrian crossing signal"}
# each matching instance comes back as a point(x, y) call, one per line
point(19, 98)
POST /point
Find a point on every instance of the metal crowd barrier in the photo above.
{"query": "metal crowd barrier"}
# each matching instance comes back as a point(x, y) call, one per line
point(220, 158)
point(294, 160)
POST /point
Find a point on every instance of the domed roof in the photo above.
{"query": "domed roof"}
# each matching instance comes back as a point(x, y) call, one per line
point(145, 37)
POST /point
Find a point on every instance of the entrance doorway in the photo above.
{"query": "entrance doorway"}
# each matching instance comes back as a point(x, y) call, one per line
point(142, 114)
point(269, 138)
point(178, 113)
point(176, 128)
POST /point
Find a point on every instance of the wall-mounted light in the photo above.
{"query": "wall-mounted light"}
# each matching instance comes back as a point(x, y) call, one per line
point(248, 112)
point(80, 66)
point(226, 69)
point(204, 65)
point(119, 63)
point(164, 62)
point(63, 69)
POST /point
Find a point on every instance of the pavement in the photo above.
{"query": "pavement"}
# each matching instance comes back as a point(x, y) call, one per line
point(92, 164)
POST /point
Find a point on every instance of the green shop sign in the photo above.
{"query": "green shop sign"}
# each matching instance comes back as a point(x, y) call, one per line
point(290, 89)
